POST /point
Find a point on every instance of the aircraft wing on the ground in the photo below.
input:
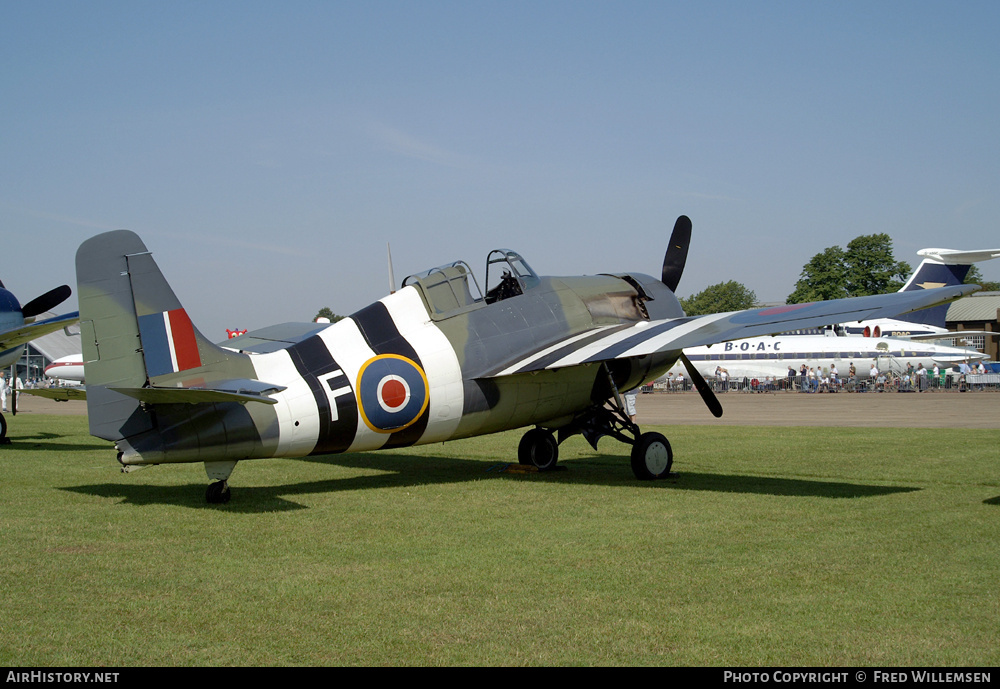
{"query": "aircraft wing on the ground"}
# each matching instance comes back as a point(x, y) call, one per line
point(648, 337)
point(31, 331)
point(76, 392)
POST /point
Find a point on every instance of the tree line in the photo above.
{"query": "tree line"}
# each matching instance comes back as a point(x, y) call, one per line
point(867, 266)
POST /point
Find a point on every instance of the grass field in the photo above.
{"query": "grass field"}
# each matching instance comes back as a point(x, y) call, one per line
point(771, 546)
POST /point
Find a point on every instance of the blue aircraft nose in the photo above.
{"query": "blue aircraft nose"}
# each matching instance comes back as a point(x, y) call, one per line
point(8, 302)
point(10, 311)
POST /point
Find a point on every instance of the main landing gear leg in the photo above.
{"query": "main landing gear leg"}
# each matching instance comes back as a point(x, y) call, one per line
point(652, 456)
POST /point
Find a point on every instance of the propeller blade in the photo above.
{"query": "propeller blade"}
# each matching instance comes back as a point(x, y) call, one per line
point(703, 387)
point(46, 302)
point(677, 251)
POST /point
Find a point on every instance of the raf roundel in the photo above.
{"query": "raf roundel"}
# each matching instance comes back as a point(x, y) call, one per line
point(392, 392)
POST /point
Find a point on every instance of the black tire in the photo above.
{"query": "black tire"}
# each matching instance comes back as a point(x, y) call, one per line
point(538, 448)
point(3, 430)
point(218, 493)
point(652, 457)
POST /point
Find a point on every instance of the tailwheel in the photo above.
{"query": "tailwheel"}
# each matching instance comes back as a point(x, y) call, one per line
point(219, 472)
point(218, 493)
point(538, 448)
point(652, 457)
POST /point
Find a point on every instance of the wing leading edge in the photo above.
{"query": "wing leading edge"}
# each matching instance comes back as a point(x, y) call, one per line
point(648, 337)
point(20, 335)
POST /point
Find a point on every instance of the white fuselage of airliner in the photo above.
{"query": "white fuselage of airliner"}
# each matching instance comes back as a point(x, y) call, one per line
point(760, 357)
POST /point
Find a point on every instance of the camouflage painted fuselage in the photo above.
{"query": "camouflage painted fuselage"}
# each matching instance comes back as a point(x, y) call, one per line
point(418, 366)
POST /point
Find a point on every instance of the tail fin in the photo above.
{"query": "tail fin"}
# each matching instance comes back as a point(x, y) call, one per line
point(941, 268)
point(137, 338)
point(934, 273)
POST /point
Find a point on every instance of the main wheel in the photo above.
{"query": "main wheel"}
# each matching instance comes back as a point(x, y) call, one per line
point(652, 457)
point(3, 430)
point(538, 448)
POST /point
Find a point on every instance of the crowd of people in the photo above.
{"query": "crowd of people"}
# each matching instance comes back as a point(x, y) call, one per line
point(829, 379)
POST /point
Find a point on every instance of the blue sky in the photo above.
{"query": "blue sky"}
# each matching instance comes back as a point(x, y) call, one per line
point(268, 152)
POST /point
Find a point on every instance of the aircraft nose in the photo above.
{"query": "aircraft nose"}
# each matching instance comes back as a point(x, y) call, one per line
point(56, 369)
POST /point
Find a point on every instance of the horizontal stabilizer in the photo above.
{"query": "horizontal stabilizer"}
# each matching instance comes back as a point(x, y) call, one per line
point(221, 391)
point(957, 257)
point(58, 394)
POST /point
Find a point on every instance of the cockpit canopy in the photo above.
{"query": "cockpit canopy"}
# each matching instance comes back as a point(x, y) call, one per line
point(452, 289)
point(447, 289)
point(507, 275)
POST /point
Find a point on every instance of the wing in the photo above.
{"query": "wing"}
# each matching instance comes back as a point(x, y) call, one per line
point(648, 337)
point(951, 335)
point(16, 337)
point(76, 392)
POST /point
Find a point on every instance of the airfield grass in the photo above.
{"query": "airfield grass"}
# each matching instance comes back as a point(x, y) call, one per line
point(771, 546)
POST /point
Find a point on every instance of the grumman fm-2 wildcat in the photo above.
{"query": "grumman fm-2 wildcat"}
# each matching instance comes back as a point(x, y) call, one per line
point(436, 360)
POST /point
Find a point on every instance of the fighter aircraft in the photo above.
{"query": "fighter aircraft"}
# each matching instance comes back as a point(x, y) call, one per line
point(436, 360)
point(18, 326)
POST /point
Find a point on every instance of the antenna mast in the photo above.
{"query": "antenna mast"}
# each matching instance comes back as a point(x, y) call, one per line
point(392, 279)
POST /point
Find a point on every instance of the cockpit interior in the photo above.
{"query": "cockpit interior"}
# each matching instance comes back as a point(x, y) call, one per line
point(452, 288)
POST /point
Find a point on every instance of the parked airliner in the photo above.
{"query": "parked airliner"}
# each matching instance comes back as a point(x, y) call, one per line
point(760, 357)
point(66, 368)
point(890, 343)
